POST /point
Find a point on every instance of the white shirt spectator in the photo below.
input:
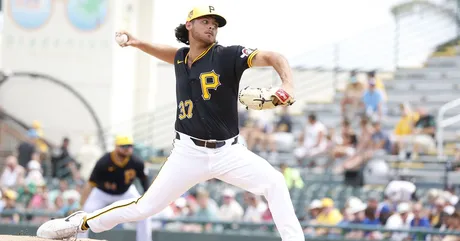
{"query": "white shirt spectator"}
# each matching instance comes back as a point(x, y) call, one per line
point(230, 210)
point(254, 214)
point(34, 175)
point(13, 173)
point(311, 133)
point(9, 177)
point(396, 221)
point(400, 191)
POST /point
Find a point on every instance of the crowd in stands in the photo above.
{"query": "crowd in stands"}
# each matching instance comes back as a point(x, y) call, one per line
point(401, 209)
point(356, 139)
point(40, 177)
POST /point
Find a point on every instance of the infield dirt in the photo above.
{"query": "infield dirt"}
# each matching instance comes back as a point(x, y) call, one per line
point(29, 238)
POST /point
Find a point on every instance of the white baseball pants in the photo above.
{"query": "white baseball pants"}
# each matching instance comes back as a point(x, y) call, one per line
point(190, 164)
point(98, 199)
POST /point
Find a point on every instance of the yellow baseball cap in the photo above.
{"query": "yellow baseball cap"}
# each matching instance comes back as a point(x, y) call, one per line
point(36, 124)
point(202, 11)
point(327, 203)
point(10, 194)
point(122, 140)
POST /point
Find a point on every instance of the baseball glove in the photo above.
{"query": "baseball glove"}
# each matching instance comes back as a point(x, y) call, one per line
point(264, 98)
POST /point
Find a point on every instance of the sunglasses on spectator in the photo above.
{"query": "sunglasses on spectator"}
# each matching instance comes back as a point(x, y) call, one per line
point(126, 146)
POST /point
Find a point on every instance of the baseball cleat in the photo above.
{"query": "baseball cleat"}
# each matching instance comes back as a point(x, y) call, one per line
point(62, 228)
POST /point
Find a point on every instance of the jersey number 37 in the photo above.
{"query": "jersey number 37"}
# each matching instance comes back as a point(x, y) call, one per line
point(208, 80)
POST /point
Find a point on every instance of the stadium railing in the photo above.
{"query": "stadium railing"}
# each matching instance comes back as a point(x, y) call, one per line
point(443, 122)
point(270, 226)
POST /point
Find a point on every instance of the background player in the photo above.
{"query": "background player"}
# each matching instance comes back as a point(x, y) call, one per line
point(112, 180)
point(206, 144)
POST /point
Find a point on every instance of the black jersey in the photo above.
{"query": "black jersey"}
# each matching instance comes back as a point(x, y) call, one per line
point(115, 177)
point(207, 93)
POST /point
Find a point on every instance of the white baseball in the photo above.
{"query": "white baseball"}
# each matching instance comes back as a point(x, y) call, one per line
point(121, 39)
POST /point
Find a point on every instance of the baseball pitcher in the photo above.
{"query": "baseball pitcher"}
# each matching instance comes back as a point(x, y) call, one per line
point(206, 129)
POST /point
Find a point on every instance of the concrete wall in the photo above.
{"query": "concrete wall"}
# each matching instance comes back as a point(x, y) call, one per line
point(60, 39)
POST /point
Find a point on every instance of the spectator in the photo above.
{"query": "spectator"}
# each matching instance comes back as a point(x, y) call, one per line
point(13, 174)
point(372, 101)
point(71, 201)
point(53, 194)
point(449, 221)
point(384, 210)
point(292, 176)
point(314, 209)
point(337, 233)
point(27, 148)
point(436, 215)
point(454, 226)
point(421, 136)
point(378, 84)
point(400, 191)
point(329, 215)
point(202, 193)
point(256, 207)
point(424, 133)
point(380, 140)
point(180, 208)
point(342, 151)
point(204, 211)
point(371, 218)
point(282, 137)
point(403, 128)
point(10, 197)
point(34, 175)
point(60, 161)
point(58, 206)
point(25, 194)
point(373, 202)
point(39, 201)
point(432, 196)
point(352, 95)
point(41, 145)
point(357, 209)
point(400, 220)
point(312, 140)
point(230, 210)
point(347, 148)
point(259, 134)
point(332, 141)
point(420, 221)
point(363, 149)
point(346, 128)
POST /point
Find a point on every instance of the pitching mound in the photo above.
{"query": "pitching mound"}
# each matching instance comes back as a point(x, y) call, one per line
point(29, 238)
